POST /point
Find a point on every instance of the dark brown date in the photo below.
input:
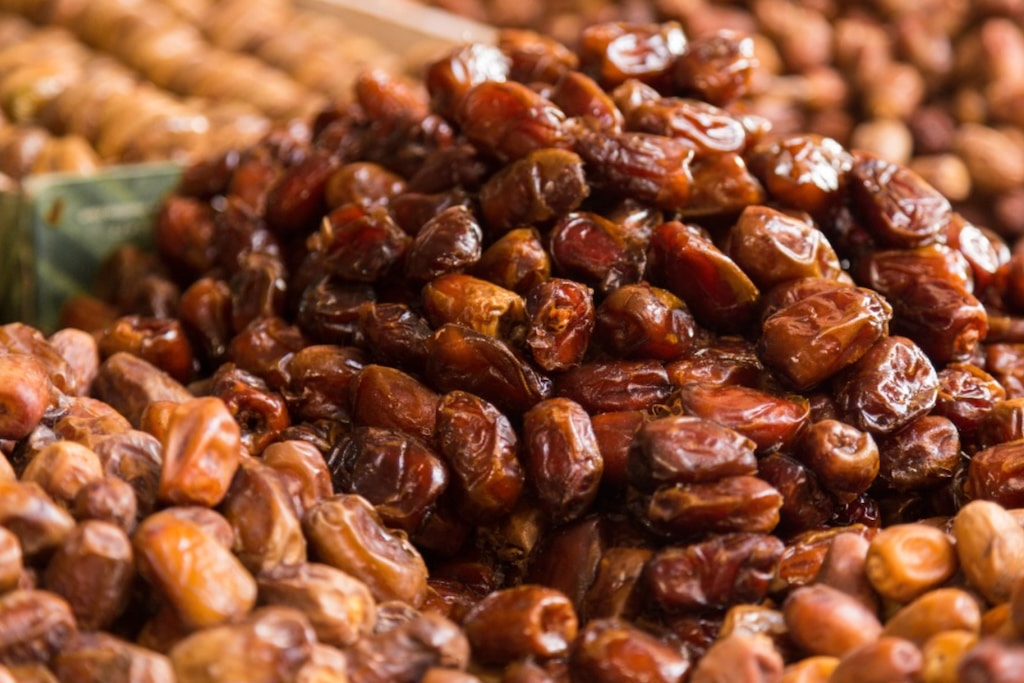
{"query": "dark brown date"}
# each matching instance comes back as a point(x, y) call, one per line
point(718, 66)
point(265, 347)
point(844, 458)
point(259, 412)
point(295, 200)
point(772, 247)
point(362, 245)
point(580, 96)
point(716, 573)
point(450, 242)
point(945, 320)
point(995, 474)
point(363, 183)
point(889, 386)
point(607, 386)
point(614, 52)
point(562, 320)
point(526, 620)
point(807, 172)
point(561, 457)
point(687, 450)
point(329, 310)
point(320, 385)
point(688, 264)
point(480, 447)
point(722, 186)
point(614, 651)
point(535, 57)
point(805, 504)
point(395, 472)
point(616, 590)
point(381, 396)
point(703, 127)
point(730, 504)
point(642, 166)
point(395, 335)
point(516, 261)
point(460, 358)
point(449, 79)
point(923, 455)
point(161, 342)
point(594, 250)
point(544, 185)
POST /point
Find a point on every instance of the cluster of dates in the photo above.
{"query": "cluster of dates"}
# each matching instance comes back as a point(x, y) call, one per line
point(555, 370)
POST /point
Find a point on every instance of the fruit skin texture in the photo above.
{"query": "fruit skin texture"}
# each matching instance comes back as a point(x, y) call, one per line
point(24, 394)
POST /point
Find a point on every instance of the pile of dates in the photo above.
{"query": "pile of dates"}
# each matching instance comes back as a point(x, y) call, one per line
point(549, 368)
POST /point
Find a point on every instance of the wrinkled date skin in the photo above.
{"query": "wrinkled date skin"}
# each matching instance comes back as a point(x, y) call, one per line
point(595, 250)
point(683, 449)
point(719, 294)
point(644, 166)
point(725, 570)
point(610, 650)
point(641, 321)
point(613, 52)
point(461, 358)
point(770, 421)
point(562, 320)
point(561, 457)
point(481, 449)
point(806, 172)
point(730, 504)
point(889, 386)
point(345, 532)
point(521, 621)
point(772, 247)
point(201, 579)
point(812, 339)
point(896, 204)
point(545, 184)
point(510, 120)
point(400, 475)
point(36, 625)
point(201, 449)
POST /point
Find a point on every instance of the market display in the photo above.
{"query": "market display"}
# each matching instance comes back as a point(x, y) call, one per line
point(559, 365)
point(89, 84)
point(935, 84)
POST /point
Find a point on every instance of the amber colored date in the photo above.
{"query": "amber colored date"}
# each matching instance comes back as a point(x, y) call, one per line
point(897, 205)
point(812, 339)
point(510, 120)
